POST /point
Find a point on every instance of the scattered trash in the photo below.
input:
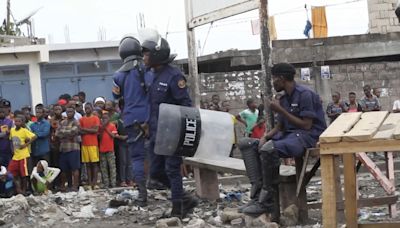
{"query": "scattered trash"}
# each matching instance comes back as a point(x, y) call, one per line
point(110, 211)
point(85, 212)
point(233, 196)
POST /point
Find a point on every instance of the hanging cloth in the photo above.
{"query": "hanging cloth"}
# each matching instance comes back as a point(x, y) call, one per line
point(255, 27)
point(319, 22)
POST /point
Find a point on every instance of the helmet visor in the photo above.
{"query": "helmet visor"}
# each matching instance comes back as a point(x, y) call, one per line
point(150, 35)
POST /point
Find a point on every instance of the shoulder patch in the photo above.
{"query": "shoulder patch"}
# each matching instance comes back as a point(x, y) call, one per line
point(182, 83)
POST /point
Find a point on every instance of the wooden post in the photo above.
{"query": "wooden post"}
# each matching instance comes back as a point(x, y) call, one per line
point(192, 57)
point(329, 207)
point(350, 190)
point(265, 59)
point(206, 183)
point(390, 175)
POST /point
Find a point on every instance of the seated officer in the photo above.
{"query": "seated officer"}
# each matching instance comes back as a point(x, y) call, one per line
point(300, 121)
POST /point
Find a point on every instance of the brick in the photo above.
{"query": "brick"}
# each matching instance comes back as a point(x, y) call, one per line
point(368, 76)
point(343, 69)
point(362, 67)
point(339, 77)
point(387, 75)
point(351, 68)
point(356, 77)
point(392, 65)
point(376, 67)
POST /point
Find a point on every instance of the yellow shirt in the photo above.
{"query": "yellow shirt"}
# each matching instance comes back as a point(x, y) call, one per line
point(18, 138)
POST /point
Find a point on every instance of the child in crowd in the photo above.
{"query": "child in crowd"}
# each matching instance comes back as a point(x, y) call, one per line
point(107, 156)
point(54, 140)
point(6, 183)
point(89, 126)
point(69, 136)
point(21, 139)
point(5, 144)
point(100, 102)
point(124, 155)
point(110, 108)
point(249, 116)
point(260, 127)
point(336, 107)
point(42, 176)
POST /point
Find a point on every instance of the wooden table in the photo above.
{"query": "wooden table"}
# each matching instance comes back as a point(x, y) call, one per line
point(351, 135)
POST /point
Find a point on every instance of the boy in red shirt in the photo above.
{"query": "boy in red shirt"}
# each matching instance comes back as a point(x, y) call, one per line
point(90, 151)
point(107, 158)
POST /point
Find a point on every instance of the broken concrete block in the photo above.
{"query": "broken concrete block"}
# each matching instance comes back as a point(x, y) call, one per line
point(169, 222)
point(261, 221)
point(196, 223)
point(237, 222)
point(85, 212)
point(230, 214)
point(290, 216)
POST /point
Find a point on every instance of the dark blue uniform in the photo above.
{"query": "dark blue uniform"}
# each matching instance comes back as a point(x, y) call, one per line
point(302, 103)
point(169, 86)
point(136, 110)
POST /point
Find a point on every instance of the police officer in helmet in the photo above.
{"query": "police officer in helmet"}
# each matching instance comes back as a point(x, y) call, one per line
point(169, 86)
point(131, 88)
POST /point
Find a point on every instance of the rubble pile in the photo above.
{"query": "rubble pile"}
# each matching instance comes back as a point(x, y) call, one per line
point(115, 208)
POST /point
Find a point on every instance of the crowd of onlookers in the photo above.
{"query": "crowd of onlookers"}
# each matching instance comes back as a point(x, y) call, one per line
point(60, 147)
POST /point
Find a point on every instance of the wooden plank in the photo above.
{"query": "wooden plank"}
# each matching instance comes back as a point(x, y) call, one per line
point(339, 127)
point(363, 202)
point(380, 225)
point(355, 147)
point(350, 192)
point(300, 180)
point(366, 127)
point(396, 133)
point(329, 212)
point(206, 183)
point(386, 130)
point(390, 176)
point(302, 197)
point(376, 172)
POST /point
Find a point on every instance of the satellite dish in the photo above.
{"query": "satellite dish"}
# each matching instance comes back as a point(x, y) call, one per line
point(26, 19)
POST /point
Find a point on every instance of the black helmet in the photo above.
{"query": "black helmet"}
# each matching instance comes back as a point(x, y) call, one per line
point(129, 51)
point(159, 51)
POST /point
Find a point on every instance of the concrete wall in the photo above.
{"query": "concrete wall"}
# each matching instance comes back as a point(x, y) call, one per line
point(235, 87)
point(382, 18)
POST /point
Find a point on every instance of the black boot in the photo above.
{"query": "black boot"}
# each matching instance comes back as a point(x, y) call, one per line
point(142, 198)
point(252, 162)
point(158, 182)
point(269, 196)
point(180, 208)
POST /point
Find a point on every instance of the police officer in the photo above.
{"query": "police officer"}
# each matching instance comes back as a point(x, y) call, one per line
point(300, 121)
point(131, 87)
point(169, 86)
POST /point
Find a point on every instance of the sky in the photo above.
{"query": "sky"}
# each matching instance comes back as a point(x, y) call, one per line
point(84, 18)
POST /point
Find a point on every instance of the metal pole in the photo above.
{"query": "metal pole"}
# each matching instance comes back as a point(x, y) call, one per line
point(265, 58)
point(8, 18)
point(192, 57)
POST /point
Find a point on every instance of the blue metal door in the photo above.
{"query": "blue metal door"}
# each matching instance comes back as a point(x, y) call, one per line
point(58, 86)
point(14, 84)
point(96, 86)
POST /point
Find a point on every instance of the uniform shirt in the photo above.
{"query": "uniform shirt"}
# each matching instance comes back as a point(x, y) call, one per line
point(303, 102)
point(250, 118)
point(370, 104)
point(41, 145)
point(335, 109)
point(5, 144)
point(89, 122)
point(107, 142)
point(136, 106)
point(18, 138)
point(169, 86)
point(68, 133)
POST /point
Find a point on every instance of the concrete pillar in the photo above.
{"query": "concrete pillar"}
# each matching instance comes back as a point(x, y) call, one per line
point(35, 83)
